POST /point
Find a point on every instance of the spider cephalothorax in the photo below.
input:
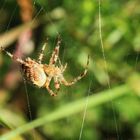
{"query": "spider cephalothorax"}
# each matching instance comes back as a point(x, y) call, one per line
point(41, 74)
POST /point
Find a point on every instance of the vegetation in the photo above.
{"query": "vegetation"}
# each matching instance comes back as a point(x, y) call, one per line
point(105, 103)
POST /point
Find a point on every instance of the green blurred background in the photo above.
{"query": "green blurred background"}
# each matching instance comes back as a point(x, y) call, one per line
point(110, 108)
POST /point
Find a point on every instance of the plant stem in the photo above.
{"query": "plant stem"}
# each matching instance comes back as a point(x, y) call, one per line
point(69, 109)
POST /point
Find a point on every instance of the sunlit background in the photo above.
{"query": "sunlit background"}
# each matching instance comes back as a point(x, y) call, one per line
point(105, 104)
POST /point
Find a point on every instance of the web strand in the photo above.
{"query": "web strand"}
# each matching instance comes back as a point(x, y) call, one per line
point(85, 112)
point(37, 14)
point(106, 68)
point(25, 85)
point(28, 102)
point(11, 18)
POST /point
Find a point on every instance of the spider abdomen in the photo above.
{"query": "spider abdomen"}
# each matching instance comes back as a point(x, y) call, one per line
point(34, 73)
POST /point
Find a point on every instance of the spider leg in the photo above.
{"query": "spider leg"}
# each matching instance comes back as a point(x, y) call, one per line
point(41, 52)
point(63, 68)
point(12, 56)
point(56, 84)
point(48, 88)
point(66, 83)
point(55, 53)
point(51, 92)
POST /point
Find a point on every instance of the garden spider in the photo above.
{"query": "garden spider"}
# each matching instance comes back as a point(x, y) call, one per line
point(41, 74)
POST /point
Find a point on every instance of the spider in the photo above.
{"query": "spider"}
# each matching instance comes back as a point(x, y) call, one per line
point(40, 74)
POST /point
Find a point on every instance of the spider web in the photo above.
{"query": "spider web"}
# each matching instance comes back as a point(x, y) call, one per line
point(88, 93)
point(106, 68)
point(83, 118)
point(107, 80)
point(24, 80)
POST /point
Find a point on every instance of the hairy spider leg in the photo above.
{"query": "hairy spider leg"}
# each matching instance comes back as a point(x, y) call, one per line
point(66, 83)
point(13, 57)
point(41, 54)
point(55, 53)
point(63, 68)
point(47, 86)
point(56, 84)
